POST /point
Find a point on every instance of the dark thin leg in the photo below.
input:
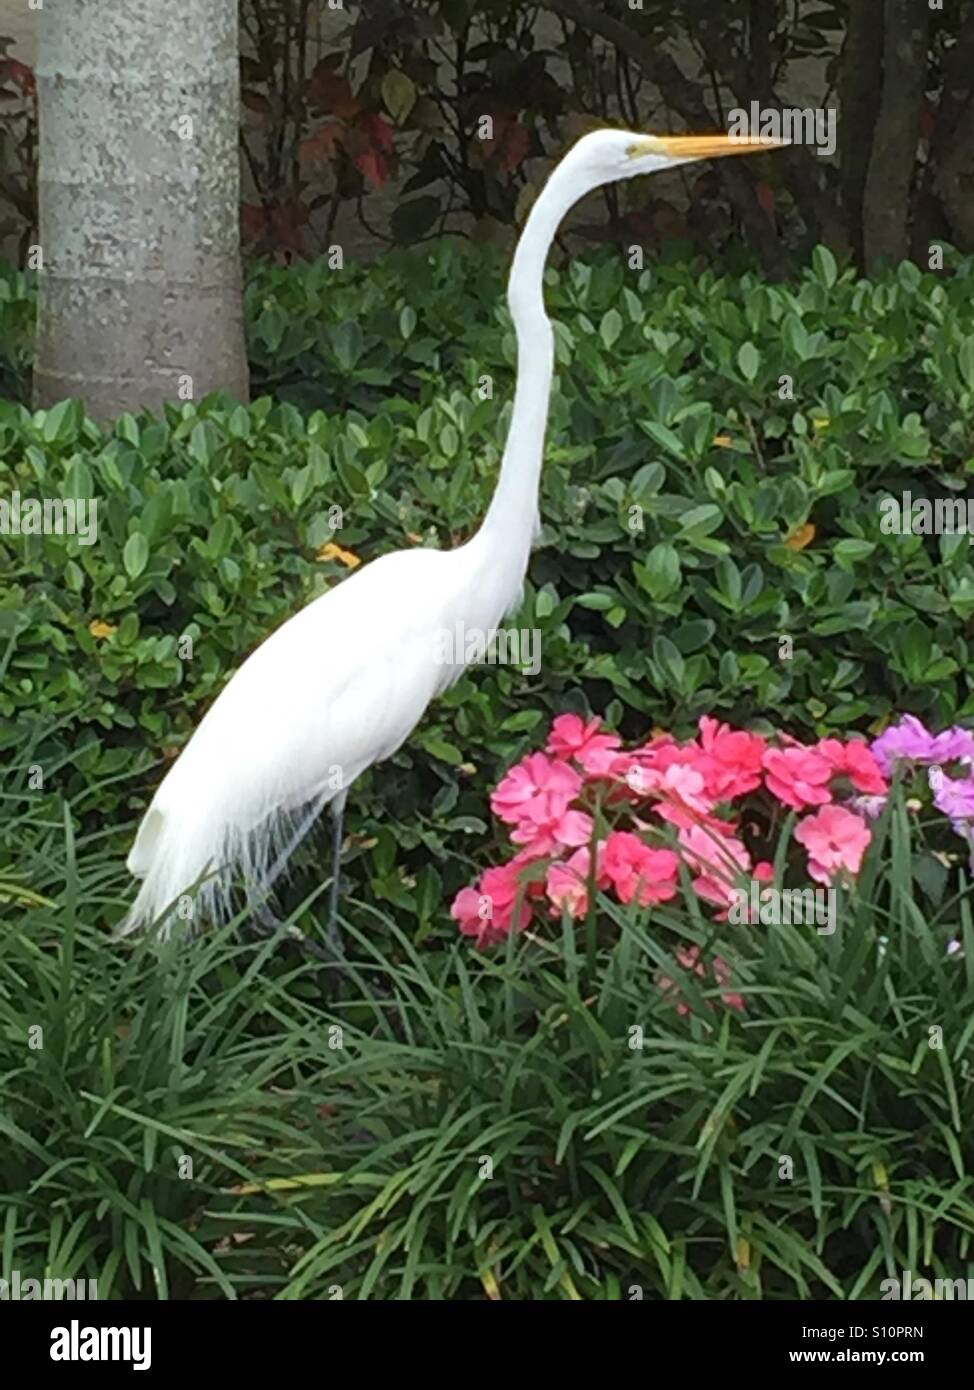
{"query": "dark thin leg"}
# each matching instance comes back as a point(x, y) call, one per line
point(268, 921)
point(264, 919)
point(337, 818)
point(265, 923)
point(303, 826)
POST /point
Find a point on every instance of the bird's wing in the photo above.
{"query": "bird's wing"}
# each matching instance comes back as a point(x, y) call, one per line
point(338, 687)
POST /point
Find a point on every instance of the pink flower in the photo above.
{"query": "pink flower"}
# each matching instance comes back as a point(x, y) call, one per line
point(567, 884)
point(571, 737)
point(855, 761)
point(732, 759)
point(534, 785)
point(564, 831)
point(681, 792)
point(836, 840)
point(798, 776)
point(636, 871)
point(718, 860)
point(471, 911)
point(535, 796)
point(722, 975)
point(655, 757)
point(689, 958)
point(487, 913)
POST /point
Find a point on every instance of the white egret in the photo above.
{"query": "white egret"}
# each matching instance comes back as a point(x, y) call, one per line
point(343, 682)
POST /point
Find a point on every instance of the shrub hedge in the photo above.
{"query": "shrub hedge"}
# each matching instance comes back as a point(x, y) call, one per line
point(708, 546)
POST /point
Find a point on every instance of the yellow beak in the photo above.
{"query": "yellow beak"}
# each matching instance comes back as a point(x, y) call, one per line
point(703, 146)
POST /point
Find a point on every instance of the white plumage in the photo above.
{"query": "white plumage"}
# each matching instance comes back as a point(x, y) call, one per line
point(342, 683)
point(338, 687)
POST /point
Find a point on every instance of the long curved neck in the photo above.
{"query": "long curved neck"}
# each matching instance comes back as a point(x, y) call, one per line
point(512, 517)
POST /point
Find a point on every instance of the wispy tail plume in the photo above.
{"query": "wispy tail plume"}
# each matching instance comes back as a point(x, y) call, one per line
point(189, 862)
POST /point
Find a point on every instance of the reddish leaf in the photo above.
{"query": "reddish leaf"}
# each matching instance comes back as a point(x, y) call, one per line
point(274, 228)
point(380, 132)
point(321, 144)
point(373, 166)
point(517, 142)
point(510, 144)
point(286, 222)
point(13, 71)
point(330, 92)
point(766, 198)
point(370, 143)
point(253, 221)
point(255, 101)
point(928, 119)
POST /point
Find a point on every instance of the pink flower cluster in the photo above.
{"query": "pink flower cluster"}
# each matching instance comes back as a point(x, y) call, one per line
point(567, 809)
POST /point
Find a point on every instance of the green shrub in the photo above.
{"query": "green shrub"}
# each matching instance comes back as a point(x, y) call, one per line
point(656, 366)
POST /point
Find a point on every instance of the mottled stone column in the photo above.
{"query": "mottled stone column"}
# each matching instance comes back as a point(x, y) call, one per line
point(139, 204)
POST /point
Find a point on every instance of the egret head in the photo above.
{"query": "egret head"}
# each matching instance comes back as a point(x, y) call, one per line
point(606, 156)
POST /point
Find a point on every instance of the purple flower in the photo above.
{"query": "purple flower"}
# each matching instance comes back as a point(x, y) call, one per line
point(954, 745)
point(955, 797)
point(913, 741)
point(869, 806)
